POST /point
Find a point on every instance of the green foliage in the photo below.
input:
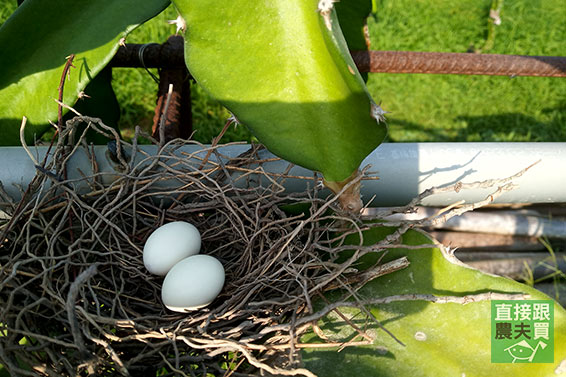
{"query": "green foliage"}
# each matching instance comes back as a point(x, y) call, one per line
point(300, 95)
point(99, 102)
point(426, 107)
point(6, 9)
point(423, 107)
point(352, 15)
point(4, 372)
point(136, 91)
point(457, 336)
point(36, 40)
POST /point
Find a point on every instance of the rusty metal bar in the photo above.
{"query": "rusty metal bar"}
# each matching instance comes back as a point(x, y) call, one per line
point(177, 122)
point(459, 63)
point(151, 55)
point(161, 56)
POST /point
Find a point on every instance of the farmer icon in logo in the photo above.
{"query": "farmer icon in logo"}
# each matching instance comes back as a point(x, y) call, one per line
point(524, 351)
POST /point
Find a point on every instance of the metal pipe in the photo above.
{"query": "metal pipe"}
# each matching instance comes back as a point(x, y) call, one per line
point(151, 55)
point(404, 170)
point(459, 63)
point(170, 55)
point(494, 222)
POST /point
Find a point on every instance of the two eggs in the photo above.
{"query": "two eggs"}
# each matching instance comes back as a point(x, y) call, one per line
point(192, 281)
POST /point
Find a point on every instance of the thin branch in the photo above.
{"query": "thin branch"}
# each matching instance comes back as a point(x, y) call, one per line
point(23, 141)
point(164, 117)
point(70, 306)
point(64, 75)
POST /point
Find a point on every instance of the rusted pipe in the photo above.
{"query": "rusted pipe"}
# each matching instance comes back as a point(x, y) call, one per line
point(177, 120)
point(151, 55)
point(459, 63)
point(157, 56)
point(178, 117)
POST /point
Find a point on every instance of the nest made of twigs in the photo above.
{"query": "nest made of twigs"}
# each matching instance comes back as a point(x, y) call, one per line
point(77, 300)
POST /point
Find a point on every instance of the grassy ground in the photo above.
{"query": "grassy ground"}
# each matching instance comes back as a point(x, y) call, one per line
point(471, 108)
point(422, 107)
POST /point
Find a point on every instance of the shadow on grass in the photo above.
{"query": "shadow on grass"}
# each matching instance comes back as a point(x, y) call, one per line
point(506, 127)
point(511, 127)
point(434, 134)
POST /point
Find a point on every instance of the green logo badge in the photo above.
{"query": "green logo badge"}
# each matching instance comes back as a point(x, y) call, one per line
point(522, 331)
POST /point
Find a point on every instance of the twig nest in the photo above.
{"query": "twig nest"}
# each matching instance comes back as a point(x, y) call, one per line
point(168, 245)
point(192, 283)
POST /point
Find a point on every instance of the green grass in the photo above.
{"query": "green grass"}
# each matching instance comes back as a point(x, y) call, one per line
point(471, 108)
point(6, 9)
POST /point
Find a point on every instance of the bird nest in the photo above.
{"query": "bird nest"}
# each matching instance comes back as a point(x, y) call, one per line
point(76, 298)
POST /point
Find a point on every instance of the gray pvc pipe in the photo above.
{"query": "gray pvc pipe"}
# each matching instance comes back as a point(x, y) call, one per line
point(404, 169)
point(493, 222)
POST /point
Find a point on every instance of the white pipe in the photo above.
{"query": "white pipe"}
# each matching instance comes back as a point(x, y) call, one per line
point(409, 169)
point(497, 222)
point(404, 169)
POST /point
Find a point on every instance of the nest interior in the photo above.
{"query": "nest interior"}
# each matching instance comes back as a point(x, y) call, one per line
point(77, 300)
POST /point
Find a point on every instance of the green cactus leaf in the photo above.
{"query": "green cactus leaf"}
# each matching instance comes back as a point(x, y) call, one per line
point(35, 42)
point(352, 15)
point(99, 102)
point(284, 71)
point(447, 339)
